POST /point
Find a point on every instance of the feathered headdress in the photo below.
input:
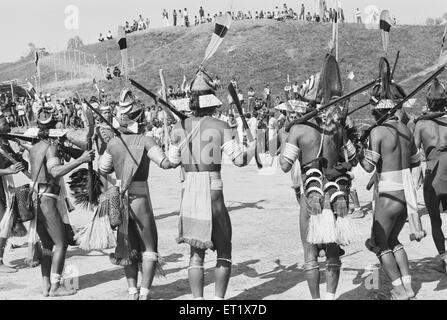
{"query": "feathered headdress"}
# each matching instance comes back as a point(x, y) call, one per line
point(436, 96)
point(387, 93)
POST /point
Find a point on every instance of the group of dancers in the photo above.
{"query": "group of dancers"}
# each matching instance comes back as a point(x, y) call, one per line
point(320, 152)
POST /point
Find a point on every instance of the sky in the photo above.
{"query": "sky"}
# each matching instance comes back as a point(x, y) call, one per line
point(43, 22)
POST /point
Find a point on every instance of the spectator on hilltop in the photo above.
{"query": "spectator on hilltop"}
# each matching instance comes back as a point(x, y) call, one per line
point(185, 14)
point(202, 15)
point(101, 38)
point(141, 24)
point(147, 23)
point(181, 18)
point(109, 35)
point(165, 18)
point(358, 15)
point(174, 16)
point(134, 25)
point(127, 28)
point(308, 17)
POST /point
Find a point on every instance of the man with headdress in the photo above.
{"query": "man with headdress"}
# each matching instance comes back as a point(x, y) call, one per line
point(197, 143)
point(129, 156)
point(319, 145)
point(46, 171)
point(431, 134)
point(393, 154)
point(102, 136)
point(7, 169)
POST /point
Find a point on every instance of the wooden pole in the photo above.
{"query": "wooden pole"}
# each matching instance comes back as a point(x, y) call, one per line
point(55, 72)
point(165, 120)
point(69, 62)
point(12, 91)
point(336, 38)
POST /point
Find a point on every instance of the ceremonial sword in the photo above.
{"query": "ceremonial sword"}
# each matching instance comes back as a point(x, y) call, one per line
point(158, 99)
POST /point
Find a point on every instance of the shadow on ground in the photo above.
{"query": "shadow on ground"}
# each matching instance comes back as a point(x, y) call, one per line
point(425, 270)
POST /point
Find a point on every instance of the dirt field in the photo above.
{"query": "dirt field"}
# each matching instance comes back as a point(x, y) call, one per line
point(267, 253)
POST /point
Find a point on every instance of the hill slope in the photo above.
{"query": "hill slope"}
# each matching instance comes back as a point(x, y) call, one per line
point(258, 53)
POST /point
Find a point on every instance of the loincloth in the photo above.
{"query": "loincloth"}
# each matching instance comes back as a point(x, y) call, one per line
point(400, 180)
point(216, 183)
point(195, 225)
point(390, 181)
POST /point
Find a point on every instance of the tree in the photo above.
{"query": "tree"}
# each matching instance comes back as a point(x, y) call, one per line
point(74, 43)
point(438, 21)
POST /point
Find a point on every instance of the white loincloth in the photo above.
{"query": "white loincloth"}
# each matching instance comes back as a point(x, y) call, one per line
point(195, 226)
point(400, 181)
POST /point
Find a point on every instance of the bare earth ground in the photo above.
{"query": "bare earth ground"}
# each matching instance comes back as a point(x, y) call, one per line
point(267, 253)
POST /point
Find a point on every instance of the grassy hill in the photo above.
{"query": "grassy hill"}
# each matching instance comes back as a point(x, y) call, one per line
point(257, 53)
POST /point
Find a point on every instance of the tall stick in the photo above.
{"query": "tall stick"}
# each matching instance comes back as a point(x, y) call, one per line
point(395, 64)
point(12, 91)
point(165, 97)
point(336, 36)
point(401, 103)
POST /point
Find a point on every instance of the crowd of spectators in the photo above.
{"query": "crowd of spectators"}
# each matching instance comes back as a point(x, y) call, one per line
point(181, 17)
point(137, 25)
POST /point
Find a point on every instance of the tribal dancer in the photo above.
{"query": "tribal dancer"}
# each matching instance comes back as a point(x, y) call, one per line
point(103, 135)
point(129, 156)
point(204, 221)
point(431, 134)
point(46, 170)
point(319, 144)
point(6, 171)
point(392, 154)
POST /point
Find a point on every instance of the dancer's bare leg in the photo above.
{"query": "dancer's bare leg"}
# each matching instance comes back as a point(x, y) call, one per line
point(51, 221)
point(148, 237)
point(196, 272)
point(221, 237)
point(311, 267)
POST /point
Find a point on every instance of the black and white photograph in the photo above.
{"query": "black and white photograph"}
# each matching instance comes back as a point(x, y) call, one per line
point(233, 150)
